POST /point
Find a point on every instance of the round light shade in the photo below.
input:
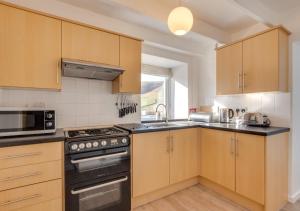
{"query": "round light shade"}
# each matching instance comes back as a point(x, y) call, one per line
point(180, 20)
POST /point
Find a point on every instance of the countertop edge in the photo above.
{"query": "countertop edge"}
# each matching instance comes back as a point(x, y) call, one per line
point(259, 133)
point(35, 139)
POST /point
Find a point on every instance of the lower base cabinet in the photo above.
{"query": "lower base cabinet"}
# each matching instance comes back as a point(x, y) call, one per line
point(251, 166)
point(184, 160)
point(31, 177)
point(150, 162)
point(160, 159)
point(217, 158)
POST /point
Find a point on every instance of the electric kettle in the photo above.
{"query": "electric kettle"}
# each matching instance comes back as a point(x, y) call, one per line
point(226, 114)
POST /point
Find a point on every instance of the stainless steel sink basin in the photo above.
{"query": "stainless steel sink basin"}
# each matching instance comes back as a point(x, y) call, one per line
point(162, 124)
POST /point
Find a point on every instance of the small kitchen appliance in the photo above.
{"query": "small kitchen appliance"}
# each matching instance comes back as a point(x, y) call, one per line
point(226, 114)
point(257, 119)
point(26, 121)
point(97, 170)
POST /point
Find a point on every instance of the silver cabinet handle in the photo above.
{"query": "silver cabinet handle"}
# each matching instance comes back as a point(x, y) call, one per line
point(172, 143)
point(7, 179)
point(168, 144)
point(99, 157)
point(237, 147)
point(232, 140)
point(75, 192)
point(9, 202)
point(20, 155)
point(243, 78)
point(239, 81)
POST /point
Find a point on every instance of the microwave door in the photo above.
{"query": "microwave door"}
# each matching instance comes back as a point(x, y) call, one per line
point(19, 122)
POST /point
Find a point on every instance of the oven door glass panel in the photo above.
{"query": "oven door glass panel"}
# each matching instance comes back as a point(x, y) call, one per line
point(110, 195)
point(13, 121)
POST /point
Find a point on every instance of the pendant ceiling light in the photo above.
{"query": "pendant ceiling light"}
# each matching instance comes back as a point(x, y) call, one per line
point(180, 20)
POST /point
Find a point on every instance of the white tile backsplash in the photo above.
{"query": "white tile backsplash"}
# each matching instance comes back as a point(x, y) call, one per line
point(81, 102)
point(276, 105)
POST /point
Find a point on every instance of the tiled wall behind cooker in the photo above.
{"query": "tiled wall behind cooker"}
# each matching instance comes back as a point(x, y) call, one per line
point(81, 102)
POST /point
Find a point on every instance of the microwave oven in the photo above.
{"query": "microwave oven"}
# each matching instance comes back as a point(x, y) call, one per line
point(16, 122)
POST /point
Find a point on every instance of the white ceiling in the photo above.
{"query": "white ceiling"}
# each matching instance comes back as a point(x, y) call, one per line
point(217, 19)
point(160, 61)
point(281, 6)
point(224, 14)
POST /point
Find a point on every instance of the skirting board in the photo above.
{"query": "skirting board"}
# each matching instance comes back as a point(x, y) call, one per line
point(295, 197)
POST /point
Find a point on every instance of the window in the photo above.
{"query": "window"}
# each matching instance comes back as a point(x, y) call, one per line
point(154, 92)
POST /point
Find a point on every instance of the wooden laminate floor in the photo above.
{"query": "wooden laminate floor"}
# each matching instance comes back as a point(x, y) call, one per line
point(199, 198)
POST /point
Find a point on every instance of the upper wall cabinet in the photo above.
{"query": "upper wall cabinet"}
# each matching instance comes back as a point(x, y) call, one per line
point(89, 44)
point(257, 64)
point(229, 69)
point(30, 49)
point(130, 60)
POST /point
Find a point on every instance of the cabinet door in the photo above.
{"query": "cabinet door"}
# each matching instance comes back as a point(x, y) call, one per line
point(151, 162)
point(130, 60)
point(217, 157)
point(30, 49)
point(184, 154)
point(260, 63)
point(250, 165)
point(229, 69)
point(88, 44)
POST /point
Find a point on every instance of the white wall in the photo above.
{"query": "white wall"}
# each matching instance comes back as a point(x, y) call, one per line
point(81, 102)
point(179, 84)
point(294, 184)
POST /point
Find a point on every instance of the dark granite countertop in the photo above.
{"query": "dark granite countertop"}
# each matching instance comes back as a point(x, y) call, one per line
point(32, 139)
point(144, 128)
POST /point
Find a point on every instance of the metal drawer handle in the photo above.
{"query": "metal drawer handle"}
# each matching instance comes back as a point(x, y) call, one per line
point(75, 192)
point(9, 202)
point(21, 155)
point(7, 179)
point(99, 157)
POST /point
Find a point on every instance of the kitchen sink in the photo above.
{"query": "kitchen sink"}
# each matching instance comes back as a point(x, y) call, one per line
point(163, 124)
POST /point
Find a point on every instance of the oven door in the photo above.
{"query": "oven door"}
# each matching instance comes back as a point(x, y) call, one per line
point(92, 165)
point(111, 194)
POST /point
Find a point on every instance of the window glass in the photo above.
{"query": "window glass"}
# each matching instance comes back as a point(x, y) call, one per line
point(154, 92)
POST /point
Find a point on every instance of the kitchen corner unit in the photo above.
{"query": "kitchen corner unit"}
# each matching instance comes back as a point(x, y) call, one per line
point(247, 166)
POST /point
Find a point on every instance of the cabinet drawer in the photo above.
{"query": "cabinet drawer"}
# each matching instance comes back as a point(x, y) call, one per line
point(30, 154)
point(30, 174)
point(18, 198)
point(53, 205)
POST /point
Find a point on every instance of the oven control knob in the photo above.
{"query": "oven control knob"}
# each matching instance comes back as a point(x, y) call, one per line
point(88, 145)
point(95, 144)
point(103, 143)
point(81, 146)
point(124, 141)
point(74, 147)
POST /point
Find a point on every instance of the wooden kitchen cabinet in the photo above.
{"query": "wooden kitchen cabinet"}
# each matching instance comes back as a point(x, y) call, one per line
point(217, 157)
point(250, 166)
point(130, 61)
point(184, 160)
point(230, 69)
point(258, 63)
point(31, 177)
point(30, 49)
point(89, 44)
point(265, 62)
point(150, 162)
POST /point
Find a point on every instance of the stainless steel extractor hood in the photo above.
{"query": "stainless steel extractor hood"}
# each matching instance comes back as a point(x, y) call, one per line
point(82, 69)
